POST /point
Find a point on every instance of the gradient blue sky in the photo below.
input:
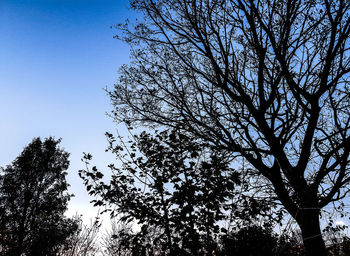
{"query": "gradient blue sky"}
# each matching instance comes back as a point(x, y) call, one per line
point(56, 56)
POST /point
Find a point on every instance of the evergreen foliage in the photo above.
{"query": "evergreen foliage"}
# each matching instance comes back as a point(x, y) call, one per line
point(33, 199)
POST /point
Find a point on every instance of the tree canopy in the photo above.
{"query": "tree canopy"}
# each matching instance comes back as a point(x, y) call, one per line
point(171, 184)
point(266, 80)
point(33, 199)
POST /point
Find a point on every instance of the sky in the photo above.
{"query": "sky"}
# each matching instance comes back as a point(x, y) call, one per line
point(56, 56)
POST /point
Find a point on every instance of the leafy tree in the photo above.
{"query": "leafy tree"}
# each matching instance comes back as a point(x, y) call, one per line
point(171, 183)
point(123, 241)
point(33, 199)
point(267, 80)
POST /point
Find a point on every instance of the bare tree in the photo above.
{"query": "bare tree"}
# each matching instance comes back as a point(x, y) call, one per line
point(110, 242)
point(266, 79)
point(84, 242)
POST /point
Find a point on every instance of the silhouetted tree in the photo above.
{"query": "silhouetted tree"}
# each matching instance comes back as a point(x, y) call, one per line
point(255, 241)
point(267, 80)
point(122, 240)
point(33, 199)
point(168, 182)
point(112, 241)
point(84, 241)
point(342, 248)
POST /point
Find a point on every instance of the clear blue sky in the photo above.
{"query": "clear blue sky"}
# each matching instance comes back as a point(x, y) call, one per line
point(55, 58)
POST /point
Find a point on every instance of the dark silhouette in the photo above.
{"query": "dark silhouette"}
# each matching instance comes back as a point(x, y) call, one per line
point(266, 80)
point(33, 199)
point(172, 186)
point(256, 241)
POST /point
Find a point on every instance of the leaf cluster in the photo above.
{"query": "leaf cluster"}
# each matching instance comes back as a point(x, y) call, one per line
point(170, 181)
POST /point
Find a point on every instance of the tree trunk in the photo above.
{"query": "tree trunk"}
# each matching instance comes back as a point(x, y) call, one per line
point(309, 224)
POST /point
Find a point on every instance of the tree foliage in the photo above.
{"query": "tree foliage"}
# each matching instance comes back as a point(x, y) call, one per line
point(256, 241)
point(122, 240)
point(33, 199)
point(171, 183)
point(267, 80)
point(250, 240)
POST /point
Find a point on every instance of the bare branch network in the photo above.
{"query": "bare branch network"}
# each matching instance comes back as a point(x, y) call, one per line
point(267, 80)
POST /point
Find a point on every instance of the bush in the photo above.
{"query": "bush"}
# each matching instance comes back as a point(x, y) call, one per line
point(255, 241)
